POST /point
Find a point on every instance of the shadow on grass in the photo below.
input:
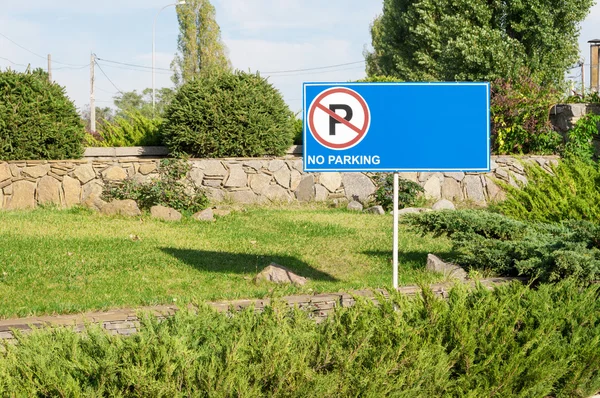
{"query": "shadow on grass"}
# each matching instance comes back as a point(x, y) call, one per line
point(243, 263)
point(414, 259)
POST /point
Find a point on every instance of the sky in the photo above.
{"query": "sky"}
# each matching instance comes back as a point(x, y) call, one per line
point(270, 36)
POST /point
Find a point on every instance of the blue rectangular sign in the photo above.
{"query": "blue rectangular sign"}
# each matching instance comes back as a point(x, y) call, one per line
point(396, 127)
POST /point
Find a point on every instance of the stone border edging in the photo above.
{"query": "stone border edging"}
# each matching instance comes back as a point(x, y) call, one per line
point(148, 151)
point(125, 321)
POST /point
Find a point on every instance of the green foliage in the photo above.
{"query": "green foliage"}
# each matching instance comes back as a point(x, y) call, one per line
point(513, 342)
point(379, 79)
point(169, 189)
point(592, 97)
point(408, 192)
point(299, 129)
point(458, 40)
point(131, 129)
point(520, 117)
point(37, 119)
point(200, 48)
point(571, 191)
point(580, 138)
point(228, 115)
point(132, 102)
point(491, 242)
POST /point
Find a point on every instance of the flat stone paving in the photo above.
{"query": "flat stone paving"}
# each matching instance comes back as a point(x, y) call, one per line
point(125, 321)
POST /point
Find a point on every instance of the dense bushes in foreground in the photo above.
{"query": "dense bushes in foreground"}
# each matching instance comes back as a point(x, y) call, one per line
point(514, 341)
point(485, 241)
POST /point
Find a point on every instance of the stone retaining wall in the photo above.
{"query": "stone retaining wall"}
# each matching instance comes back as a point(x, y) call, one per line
point(26, 184)
point(126, 321)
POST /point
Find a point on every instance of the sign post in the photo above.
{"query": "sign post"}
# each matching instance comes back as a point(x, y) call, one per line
point(396, 127)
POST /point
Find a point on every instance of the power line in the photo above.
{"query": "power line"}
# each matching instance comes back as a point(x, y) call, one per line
point(315, 68)
point(126, 64)
point(105, 75)
point(318, 72)
point(14, 63)
point(136, 70)
point(38, 55)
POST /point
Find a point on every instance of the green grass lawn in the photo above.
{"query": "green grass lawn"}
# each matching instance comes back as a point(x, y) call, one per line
point(60, 261)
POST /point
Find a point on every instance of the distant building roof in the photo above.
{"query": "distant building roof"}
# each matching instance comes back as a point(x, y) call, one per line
point(595, 41)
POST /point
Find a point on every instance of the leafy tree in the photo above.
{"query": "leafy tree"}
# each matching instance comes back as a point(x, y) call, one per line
point(37, 119)
point(431, 40)
point(200, 48)
point(141, 103)
point(102, 114)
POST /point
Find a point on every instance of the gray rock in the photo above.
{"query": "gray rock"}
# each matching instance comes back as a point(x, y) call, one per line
point(196, 176)
point(23, 195)
point(5, 173)
point(71, 191)
point(495, 193)
point(297, 164)
point(306, 189)
point(237, 177)
point(458, 176)
point(221, 212)
point(212, 182)
point(411, 210)
point(94, 202)
point(244, 197)
point(126, 207)
point(433, 188)
point(165, 213)
point(205, 215)
point(253, 164)
point(84, 173)
point(14, 170)
point(213, 168)
point(214, 195)
point(358, 186)
point(48, 190)
point(276, 164)
point(410, 176)
point(502, 174)
point(276, 193)
point(279, 274)
point(331, 181)
point(449, 270)
point(259, 182)
point(36, 171)
point(295, 179)
point(321, 193)
point(452, 190)
point(114, 173)
point(443, 204)
point(283, 176)
point(147, 168)
point(92, 188)
point(375, 210)
point(354, 206)
point(474, 189)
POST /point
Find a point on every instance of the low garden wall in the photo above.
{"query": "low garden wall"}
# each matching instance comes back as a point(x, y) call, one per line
point(26, 184)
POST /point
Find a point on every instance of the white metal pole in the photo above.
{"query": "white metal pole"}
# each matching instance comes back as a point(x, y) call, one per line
point(395, 254)
point(92, 95)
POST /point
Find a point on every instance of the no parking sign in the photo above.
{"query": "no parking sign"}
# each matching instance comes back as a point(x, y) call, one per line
point(396, 127)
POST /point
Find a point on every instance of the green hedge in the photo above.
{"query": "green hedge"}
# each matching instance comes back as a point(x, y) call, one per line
point(228, 115)
point(37, 119)
point(511, 342)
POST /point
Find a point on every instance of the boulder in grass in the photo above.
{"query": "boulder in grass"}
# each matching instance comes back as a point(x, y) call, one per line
point(165, 213)
point(375, 210)
point(449, 270)
point(279, 274)
point(126, 207)
point(205, 215)
point(355, 206)
point(443, 204)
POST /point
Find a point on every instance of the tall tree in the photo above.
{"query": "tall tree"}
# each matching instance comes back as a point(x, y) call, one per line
point(200, 48)
point(421, 40)
point(142, 102)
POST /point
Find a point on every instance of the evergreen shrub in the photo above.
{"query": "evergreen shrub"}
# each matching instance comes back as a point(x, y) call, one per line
point(228, 115)
point(37, 119)
point(130, 129)
point(489, 242)
point(571, 191)
point(408, 192)
point(514, 341)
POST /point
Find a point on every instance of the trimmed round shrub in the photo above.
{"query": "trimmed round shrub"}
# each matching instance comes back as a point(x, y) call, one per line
point(228, 115)
point(37, 119)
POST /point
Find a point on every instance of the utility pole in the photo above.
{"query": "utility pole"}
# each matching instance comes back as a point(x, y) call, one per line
point(92, 99)
point(583, 78)
point(50, 68)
